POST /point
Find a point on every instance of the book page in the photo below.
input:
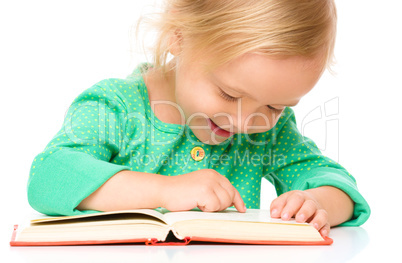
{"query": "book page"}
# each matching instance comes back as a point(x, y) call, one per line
point(231, 214)
point(39, 218)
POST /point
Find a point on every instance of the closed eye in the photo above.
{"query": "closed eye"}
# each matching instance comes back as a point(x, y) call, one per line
point(274, 109)
point(233, 99)
point(227, 96)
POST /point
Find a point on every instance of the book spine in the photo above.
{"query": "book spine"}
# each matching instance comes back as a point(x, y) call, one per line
point(155, 242)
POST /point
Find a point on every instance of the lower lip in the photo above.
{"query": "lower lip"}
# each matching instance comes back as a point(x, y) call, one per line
point(218, 131)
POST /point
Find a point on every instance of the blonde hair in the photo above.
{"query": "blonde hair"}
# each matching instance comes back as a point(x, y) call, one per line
point(226, 29)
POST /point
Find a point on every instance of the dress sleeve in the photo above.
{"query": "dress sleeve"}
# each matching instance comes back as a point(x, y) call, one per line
point(79, 159)
point(299, 165)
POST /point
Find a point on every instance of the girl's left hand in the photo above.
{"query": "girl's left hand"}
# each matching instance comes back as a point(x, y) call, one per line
point(304, 207)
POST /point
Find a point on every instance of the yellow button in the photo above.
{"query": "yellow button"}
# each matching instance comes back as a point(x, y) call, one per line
point(197, 153)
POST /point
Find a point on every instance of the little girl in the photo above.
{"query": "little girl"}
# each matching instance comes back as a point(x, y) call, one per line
point(203, 129)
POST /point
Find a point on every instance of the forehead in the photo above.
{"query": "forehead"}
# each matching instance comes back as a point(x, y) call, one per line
point(273, 80)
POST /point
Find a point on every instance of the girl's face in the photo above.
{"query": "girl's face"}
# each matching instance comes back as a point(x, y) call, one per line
point(246, 95)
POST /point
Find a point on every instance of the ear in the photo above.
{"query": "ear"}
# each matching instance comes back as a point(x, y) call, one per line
point(175, 43)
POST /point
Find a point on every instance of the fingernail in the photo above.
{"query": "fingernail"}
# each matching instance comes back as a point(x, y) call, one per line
point(285, 216)
point(302, 218)
point(274, 212)
point(315, 226)
point(324, 232)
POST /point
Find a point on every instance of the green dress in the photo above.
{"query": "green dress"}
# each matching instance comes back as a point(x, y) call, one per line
point(111, 127)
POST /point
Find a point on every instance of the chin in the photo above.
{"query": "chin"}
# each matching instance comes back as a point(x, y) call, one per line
point(210, 139)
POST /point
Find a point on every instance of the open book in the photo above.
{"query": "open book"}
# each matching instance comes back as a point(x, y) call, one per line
point(162, 227)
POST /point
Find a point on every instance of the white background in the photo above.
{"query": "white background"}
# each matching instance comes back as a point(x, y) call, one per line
point(50, 51)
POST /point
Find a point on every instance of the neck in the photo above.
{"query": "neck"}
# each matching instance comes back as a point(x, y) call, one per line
point(161, 87)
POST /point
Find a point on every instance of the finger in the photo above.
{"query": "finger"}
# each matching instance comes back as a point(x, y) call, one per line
point(293, 204)
point(278, 204)
point(238, 202)
point(225, 199)
point(324, 231)
point(236, 199)
point(307, 210)
point(209, 203)
point(320, 219)
point(225, 184)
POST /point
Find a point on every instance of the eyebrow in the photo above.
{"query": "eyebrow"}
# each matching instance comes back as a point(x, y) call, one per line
point(245, 93)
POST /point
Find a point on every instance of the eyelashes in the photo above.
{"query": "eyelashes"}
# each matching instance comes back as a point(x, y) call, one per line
point(275, 110)
point(229, 98)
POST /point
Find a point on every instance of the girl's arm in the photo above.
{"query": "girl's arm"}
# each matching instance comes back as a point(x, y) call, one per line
point(338, 205)
point(311, 187)
point(205, 189)
point(126, 190)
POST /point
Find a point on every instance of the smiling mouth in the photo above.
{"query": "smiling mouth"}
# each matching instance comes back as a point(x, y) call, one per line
point(218, 130)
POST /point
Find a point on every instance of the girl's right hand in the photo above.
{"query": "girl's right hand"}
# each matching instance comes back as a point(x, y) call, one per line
point(206, 189)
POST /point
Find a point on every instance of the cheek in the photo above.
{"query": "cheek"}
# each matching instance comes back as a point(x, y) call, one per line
point(196, 98)
point(262, 122)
